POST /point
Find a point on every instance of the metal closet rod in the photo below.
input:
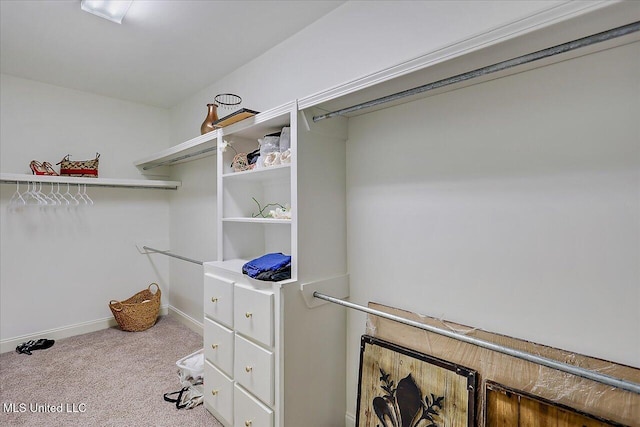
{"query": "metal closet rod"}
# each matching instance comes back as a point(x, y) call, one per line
point(550, 363)
point(133, 186)
point(167, 253)
point(177, 159)
point(500, 66)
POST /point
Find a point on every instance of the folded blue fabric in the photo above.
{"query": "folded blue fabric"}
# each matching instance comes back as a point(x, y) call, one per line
point(268, 262)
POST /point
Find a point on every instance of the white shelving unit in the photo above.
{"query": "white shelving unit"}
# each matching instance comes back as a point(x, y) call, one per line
point(251, 326)
point(12, 178)
point(206, 145)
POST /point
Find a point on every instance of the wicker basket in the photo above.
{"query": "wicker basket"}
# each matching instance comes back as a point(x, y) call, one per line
point(138, 312)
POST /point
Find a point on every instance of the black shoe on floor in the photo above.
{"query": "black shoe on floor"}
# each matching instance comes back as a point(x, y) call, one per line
point(41, 344)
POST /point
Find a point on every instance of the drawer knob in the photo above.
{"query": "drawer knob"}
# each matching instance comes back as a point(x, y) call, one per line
point(248, 315)
point(248, 423)
point(214, 299)
point(214, 346)
point(248, 368)
point(214, 392)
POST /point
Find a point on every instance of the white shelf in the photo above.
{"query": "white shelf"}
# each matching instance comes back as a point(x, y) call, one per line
point(195, 148)
point(258, 220)
point(12, 178)
point(257, 126)
point(235, 266)
point(259, 174)
point(205, 145)
point(553, 26)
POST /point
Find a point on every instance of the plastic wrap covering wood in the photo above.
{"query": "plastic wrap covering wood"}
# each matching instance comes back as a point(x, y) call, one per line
point(581, 394)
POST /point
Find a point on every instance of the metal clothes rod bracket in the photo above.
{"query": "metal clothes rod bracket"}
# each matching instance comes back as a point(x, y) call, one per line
point(177, 159)
point(550, 363)
point(167, 253)
point(500, 66)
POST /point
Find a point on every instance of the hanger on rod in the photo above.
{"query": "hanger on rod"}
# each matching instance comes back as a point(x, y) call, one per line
point(17, 199)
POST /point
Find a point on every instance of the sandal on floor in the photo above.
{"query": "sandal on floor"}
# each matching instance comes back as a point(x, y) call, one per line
point(29, 346)
point(25, 347)
point(42, 344)
point(178, 399)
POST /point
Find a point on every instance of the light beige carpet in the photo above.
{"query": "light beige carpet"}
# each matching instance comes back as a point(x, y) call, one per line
point(104, 378)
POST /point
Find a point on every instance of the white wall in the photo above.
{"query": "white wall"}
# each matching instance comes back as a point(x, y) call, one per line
point(60, 267)
point(517, 217)
point(192, 233)
point(510, 206)
point(352, 41)
point(493, 221)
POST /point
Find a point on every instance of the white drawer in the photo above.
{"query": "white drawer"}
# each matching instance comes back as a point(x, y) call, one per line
point(218, 299)
point(250, 412)
point(218, 392)
point(218, 345)
point(253, 313)
point(253, 369)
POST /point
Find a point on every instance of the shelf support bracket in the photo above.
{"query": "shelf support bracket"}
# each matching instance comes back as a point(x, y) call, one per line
point(335, 286)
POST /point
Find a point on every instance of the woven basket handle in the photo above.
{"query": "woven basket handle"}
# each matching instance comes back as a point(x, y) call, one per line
point(113, 303)
point(157, 287)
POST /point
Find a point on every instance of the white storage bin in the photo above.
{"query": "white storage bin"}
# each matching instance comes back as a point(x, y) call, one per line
point(193, 364)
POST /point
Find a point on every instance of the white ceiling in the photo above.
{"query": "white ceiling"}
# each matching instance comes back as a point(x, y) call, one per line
point(163, 52)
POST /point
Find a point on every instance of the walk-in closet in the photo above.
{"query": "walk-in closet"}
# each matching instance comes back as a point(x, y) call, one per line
point(328, 213)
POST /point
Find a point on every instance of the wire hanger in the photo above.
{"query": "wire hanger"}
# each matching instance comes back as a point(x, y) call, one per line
point(17, 199)
point(73, 200)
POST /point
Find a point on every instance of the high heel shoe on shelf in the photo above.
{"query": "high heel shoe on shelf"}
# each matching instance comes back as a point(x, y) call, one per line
point(49, 169)
point(42, 168)
point(37, 168)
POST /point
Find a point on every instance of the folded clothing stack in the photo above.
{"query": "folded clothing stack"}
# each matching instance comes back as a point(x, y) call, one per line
point(272, 267)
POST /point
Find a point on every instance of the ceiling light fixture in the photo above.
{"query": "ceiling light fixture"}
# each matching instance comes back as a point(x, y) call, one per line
point(113, 10)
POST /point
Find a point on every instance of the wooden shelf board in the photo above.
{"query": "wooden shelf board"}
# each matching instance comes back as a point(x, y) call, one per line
point(235, 117)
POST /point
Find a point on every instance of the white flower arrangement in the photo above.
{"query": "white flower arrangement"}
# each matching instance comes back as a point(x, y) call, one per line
point(224, 145)
point(281, 212)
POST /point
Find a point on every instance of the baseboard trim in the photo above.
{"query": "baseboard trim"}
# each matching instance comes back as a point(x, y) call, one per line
point(10, 344)
point(349, 420)
point(185, 319)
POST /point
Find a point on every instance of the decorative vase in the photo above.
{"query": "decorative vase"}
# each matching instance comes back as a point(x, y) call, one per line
point(212, 116)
